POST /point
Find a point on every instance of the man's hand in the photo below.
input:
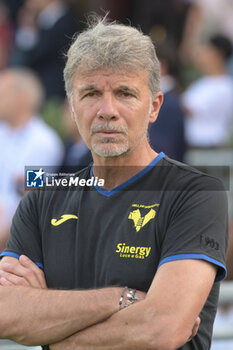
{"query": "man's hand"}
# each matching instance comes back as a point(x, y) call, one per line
point(23, 272)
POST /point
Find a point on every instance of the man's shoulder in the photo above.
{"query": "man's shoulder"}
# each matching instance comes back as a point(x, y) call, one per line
point(180, 176)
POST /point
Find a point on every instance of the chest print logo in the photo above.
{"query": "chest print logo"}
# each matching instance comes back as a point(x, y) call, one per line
point(64, 218)
point(138, 219)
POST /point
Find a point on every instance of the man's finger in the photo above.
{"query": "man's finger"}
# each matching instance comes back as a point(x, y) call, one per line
point(195, 328)
point(29, 264)
point(18, 270)
point(4, 282)
point(13, 279)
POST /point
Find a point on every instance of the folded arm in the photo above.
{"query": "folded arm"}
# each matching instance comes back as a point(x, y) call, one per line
point(164, 320)
point(37, 316)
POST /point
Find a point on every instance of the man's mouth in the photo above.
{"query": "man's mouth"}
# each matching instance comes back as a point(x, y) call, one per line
point(108, 130)
point(108, 133)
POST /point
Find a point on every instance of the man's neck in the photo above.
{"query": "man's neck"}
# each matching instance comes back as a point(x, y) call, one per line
point(117, 170)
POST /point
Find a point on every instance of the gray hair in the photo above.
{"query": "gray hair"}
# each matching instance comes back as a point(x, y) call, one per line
point(115, 46)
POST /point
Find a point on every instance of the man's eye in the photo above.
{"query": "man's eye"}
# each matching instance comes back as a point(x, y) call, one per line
point(90, 94)
point(126, 94)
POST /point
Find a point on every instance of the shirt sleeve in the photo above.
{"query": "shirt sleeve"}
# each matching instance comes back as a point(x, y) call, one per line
point(198, 228)
point(25, 235)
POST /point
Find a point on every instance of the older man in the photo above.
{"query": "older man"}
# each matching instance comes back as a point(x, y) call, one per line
point(157, 226)
point(25, 139)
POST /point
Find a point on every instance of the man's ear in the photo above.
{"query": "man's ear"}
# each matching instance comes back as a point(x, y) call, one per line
point(156, 105)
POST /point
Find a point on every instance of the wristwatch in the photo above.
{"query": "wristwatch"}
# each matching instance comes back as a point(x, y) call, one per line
point(131, 297)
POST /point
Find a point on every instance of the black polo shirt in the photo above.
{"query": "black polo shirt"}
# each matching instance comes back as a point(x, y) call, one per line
point(88, 237)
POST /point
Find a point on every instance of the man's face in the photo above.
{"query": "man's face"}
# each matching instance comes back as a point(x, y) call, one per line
point(112, 110)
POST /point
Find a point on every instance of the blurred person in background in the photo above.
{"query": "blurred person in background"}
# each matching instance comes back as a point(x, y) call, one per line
point(43, 33)
point(77, 155)
point(167, 133)
point(205, 19)
point(209, 100)
point(24, 139)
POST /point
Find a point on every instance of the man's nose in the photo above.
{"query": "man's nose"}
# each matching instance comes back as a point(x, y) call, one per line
point(108, 109)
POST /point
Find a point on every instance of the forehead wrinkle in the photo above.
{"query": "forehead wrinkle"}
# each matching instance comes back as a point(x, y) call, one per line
point(114, 85)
